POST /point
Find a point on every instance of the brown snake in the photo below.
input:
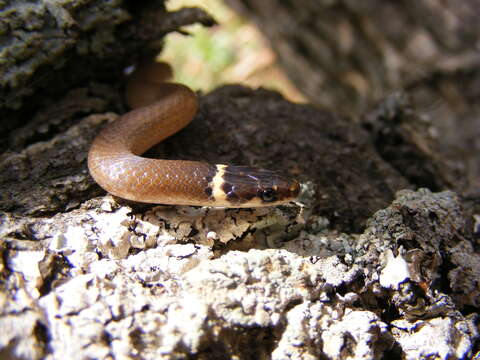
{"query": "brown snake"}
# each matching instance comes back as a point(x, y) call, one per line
point(160, 110)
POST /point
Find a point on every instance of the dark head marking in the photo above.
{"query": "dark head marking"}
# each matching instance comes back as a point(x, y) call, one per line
point(244, 184)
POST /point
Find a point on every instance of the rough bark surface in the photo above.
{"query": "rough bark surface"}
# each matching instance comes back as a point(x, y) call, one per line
point(106, 280)
point(361, 271)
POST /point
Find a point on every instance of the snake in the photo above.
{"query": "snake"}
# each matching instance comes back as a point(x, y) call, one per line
point(160, 109)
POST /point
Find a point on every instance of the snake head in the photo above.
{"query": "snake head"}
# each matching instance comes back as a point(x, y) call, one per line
point(282, 189)
point(246, 186)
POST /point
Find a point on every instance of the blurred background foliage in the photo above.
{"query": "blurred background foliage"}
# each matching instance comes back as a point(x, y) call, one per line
point(232, 52)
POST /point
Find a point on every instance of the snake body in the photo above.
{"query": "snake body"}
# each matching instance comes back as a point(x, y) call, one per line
point(160, 110)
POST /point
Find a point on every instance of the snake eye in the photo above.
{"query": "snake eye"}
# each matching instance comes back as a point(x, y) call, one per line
point(268, 195)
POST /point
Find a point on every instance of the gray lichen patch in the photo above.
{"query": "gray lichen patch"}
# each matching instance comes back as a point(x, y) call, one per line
point(438, 337)
point(102, 228)
point(418, 226)
point(158, 284)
